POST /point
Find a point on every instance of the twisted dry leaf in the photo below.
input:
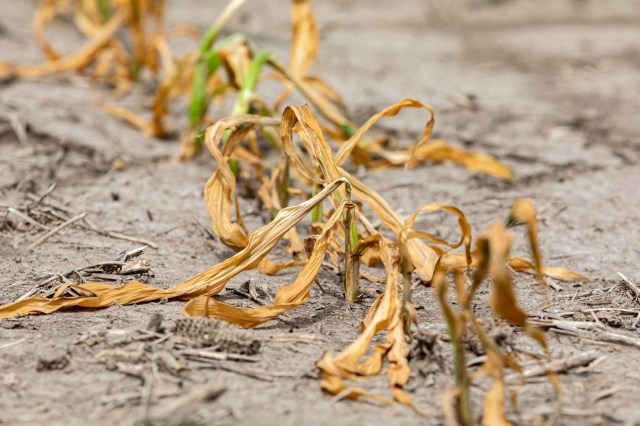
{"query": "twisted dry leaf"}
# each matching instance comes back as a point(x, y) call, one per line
point(287, 297)
point(384, 315)
point(74, 62)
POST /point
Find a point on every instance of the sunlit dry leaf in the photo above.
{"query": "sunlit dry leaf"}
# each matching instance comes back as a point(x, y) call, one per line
point(347, 147)
point(439, 151)
point(323, 105)
point(557, 272)
point(423, 151)
point(304, 43)
point(268, 267)
point(319, 149)
point(524, 211)
point(465, 229)
point(220, 190)
point(494, 414)
point(45, 13)
point(74, 62)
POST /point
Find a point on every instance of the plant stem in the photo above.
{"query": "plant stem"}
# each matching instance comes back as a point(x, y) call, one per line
point(406, 296)
point(249, 82)
point(351, 260)
point(348, 130)
point(456, 324)
point(104, 10)
point(283, 182)
point(462, 380)
point(246, 94)
point(323, 106)
point(316, 213)
point(208, 63)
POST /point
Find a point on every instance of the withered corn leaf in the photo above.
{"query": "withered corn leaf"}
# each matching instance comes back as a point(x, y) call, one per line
point(348, 365)
point(304, 43)
point(287, 297)
point(423, 151)
point(74, 62)
point(210, 281)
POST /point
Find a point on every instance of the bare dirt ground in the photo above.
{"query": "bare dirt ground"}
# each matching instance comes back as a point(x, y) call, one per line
point(549, 87)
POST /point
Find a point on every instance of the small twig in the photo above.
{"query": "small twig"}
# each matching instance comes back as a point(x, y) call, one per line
point(634, 324)
point(130, 254)
point(19, 127)
point(29, 293)
point(295, 337)
point(258, 375)
point(247, 296)
point(630, 284)
point(208, 231)
point(317, 282)
point(476, 361)
point(248, 290)
point(46, 193)
point(90, 226)
point(27, 218)
point(599, 302)
point(586, 293)
point(340, 396)
point(598, 333)
point(177, 408)
point(15, 342)
point(551, 283)
point(542, 306)
point(618, 338)
point(120, 236)
point(57, 229)
point(581, 412)
point(38, 200)
point(620, 310)
point(110, 270)
point(606, 393)
point(147, 390)
point(122, 398)
point(218, 356)
point(555, 366)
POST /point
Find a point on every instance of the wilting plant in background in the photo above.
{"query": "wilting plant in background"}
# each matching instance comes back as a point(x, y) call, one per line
point(232, 67)
point(110, 54)
point(119, 57)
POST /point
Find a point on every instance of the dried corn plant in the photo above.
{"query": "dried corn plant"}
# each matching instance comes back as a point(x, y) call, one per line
point(341, 232)
point(314, 169)
point(123, 39)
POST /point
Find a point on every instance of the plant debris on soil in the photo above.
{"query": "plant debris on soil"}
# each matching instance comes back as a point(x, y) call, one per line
point(453, 328)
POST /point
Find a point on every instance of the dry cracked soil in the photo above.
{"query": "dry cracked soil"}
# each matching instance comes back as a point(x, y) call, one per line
point(549, 87)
